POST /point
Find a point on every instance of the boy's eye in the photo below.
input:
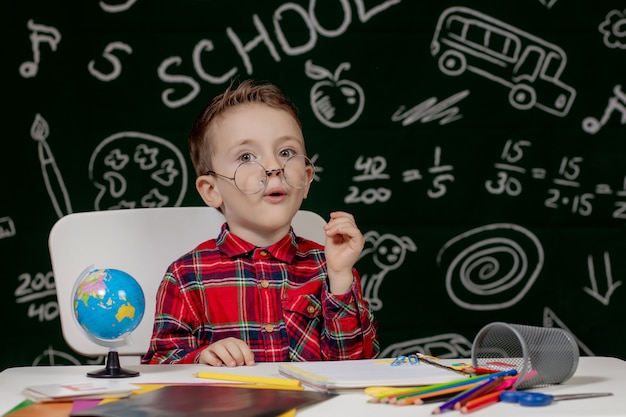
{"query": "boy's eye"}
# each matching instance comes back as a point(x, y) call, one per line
point(286, 153)
point(246, 157)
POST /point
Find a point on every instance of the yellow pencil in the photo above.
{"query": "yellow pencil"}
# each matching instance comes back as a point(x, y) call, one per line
point(279, 382)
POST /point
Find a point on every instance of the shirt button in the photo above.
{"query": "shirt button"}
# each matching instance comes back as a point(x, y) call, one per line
point(310, 309)
point(263, 253)
point(269, 328)
point(265, 283)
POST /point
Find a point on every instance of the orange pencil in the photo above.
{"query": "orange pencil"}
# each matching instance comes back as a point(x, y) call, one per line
point(480, 402)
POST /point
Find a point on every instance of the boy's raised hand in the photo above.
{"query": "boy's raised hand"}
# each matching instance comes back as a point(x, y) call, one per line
point(344, 243)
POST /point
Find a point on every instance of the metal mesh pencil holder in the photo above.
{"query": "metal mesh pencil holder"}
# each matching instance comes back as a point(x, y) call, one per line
point(541, 355)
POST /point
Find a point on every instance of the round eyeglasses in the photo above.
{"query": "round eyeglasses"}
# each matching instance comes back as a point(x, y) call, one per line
point(251, 177)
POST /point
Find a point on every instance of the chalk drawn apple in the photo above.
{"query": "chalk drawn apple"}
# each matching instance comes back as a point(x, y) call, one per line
point(335, 102)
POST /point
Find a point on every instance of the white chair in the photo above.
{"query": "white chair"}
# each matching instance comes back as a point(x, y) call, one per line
point(142, 242)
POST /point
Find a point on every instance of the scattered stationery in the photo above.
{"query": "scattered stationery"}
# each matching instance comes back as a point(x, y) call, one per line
point(79, 390)
point(207, 401)
point(336, 375)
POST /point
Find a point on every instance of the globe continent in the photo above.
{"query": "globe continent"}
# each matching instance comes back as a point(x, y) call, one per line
point(108, 304)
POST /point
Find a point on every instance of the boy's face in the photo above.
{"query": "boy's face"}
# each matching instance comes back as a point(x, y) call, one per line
point(267, 136)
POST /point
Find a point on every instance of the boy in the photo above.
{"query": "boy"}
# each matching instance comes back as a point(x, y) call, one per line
point(257, 292)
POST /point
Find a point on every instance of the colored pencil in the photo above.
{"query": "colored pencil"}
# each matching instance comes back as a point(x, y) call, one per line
point(451, 403)
point(416, 398)
point(458, 382)
point(481, 390)
point(480, 402)
point(248, 378)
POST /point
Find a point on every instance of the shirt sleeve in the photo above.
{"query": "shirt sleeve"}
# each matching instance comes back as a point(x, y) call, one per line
point(350, 329)
point(172, 339)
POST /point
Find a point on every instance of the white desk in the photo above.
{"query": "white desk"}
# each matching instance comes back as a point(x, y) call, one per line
point(594, 374)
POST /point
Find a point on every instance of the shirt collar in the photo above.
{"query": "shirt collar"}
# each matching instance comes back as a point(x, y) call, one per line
point(233, 246)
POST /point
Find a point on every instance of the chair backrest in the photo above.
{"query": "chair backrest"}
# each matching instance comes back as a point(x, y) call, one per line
point(142, 242)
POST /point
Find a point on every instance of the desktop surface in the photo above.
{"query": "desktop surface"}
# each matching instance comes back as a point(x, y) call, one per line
point(594, 374)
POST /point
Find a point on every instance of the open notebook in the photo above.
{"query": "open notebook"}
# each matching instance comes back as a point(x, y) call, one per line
point(335, 375)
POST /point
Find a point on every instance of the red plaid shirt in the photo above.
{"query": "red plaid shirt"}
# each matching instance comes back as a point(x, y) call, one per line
point(276, 299)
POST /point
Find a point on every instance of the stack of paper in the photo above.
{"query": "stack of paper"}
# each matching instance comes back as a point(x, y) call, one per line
point(336, 375)
point(81, 390)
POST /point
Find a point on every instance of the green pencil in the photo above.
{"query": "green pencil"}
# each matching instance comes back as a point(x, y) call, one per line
point(401, 394)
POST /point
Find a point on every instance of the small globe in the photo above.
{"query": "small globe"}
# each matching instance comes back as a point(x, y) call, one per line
point(108, 304)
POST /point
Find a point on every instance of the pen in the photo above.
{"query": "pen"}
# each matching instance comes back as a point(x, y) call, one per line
point(252, 379)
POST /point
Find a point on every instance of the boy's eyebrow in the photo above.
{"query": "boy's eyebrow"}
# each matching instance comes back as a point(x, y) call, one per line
point(280, 139)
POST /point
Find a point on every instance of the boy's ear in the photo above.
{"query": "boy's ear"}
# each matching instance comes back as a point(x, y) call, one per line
point(205, 184)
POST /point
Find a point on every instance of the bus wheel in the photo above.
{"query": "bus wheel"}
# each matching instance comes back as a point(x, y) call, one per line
point(452, 63)
point(522, 97)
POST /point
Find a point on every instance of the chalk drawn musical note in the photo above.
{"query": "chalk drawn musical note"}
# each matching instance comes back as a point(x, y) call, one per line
point(617, 103)
point(39, 34)
point(49, 169)
point(491, 267)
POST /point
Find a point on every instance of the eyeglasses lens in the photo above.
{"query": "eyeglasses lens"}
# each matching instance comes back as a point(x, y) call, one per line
point(251, 177)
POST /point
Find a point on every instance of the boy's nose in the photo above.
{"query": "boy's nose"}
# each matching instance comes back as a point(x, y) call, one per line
point(273, 171)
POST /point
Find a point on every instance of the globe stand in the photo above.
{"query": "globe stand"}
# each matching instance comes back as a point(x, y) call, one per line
point(112, 368)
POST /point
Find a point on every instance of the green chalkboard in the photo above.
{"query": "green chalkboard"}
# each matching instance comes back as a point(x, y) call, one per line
point(479, 144)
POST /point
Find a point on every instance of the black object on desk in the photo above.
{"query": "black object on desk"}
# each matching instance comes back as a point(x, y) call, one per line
point(206, 401)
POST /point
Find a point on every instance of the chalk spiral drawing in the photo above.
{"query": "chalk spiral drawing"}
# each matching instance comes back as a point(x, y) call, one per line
point(491, 267)
point(133, 169)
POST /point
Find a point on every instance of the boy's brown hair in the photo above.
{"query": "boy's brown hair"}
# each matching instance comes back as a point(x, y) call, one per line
point(248, 91)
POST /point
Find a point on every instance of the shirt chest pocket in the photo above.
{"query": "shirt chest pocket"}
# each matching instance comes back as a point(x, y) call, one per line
point(304, 307)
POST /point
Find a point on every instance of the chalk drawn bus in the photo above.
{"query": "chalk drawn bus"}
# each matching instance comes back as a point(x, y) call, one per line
point(529, 66)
